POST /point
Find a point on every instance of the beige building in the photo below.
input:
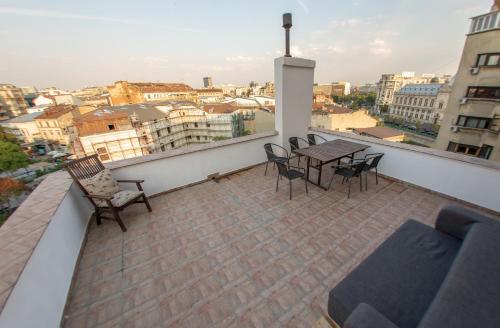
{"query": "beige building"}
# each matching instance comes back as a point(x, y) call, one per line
point(24, 127)
point(423, 103)
point(471, 123)
point(123, 92)
point(12, 101)
point(54, 125)
point(343, 119)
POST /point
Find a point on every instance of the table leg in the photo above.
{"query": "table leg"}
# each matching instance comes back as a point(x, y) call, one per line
point(319, 173)
point(307, 167)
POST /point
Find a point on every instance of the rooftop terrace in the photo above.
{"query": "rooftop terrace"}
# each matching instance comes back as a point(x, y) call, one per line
point(236, 253)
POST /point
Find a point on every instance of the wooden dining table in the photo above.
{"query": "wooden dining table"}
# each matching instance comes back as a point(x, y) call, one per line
point(328, 152)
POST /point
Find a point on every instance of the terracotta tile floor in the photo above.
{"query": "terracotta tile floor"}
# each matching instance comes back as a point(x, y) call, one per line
point(236, 253)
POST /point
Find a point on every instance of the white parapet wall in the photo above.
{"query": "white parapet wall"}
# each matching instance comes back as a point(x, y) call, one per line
point(473, 180)
point(184, 166)
point(39, 297)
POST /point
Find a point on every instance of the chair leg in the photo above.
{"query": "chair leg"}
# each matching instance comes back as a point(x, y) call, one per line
point(277, 181)
point(119, 220)
point(290, 183)
point(97, 216)
point(349, 192)
point(298, 161)
point(376, 176)
point(366, 181)
point(307, 191)
point(147, 203)
point(343, 180)
point(361, 182)
point(265, 172)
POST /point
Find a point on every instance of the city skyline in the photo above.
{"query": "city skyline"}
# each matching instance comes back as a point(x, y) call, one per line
point(96, 44)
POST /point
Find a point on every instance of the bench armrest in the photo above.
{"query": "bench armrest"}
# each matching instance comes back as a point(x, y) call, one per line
point(456, 221)
point(365, 316)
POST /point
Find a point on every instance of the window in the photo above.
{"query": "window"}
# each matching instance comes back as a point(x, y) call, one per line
point(465, 149)
point(208, 125)
point(492, 59)
point(426, 102)
point(441, 105)
point(432, 103)
point(485, 151)
point(172, 144)
point(104, 157)
point(101, 150)
point(473, 122)
point(158, 133)
point(484, 92)
point(111, 126)
point(195, 125)
point(168, 129)
point(420, 102)
point(162, 148)
point(197, 137)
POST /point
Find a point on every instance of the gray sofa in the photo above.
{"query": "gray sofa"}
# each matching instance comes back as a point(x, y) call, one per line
point(447, 276)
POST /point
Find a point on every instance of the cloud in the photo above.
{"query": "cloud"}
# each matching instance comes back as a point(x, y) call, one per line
point(335, 49)
point(296, 51)
point(380, 47)
point(469, 11)
point(303, 5)
point(63, 15)
point(243, 59)
point(351, 22)
point(157, 62)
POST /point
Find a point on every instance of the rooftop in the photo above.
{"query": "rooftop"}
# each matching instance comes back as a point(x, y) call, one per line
point(380, 132)
point(236, 253)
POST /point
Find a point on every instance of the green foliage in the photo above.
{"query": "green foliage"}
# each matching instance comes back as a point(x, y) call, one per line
point(7, 136)
point(11, 157)
point(356, 100)
point(247, 132)
point(3, 217)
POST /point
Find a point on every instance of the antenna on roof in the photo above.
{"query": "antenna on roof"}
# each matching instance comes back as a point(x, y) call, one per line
point(287, 23)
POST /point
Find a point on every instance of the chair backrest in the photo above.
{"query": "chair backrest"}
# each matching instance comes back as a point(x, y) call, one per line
point(84, 168)
point(314, 138)
point(271, 155)
point(294, 143)
point(358, 167)
point(373, 159)
point(282, 168)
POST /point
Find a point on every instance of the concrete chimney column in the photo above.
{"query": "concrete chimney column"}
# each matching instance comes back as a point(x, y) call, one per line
point(293, 82)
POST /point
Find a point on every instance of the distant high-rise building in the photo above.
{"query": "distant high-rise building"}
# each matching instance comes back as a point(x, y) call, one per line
point(471, 123)
point(207, 82)
point(13, 102)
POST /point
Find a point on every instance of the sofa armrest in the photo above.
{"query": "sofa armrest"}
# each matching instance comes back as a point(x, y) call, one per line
point(456, 221)
point(365, 316)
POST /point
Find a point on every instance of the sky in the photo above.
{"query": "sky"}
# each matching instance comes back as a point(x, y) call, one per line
point(75, 44)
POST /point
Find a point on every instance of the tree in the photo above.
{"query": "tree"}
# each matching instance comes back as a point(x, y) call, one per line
point(11, 157)
point(9, 188)
point(7, 136)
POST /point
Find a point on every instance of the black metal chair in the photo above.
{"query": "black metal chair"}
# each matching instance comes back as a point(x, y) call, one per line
point(372, 161)
point(273, 157)
point(291, 173)
point(294, 145)
point(314, 138)
point(349, 171)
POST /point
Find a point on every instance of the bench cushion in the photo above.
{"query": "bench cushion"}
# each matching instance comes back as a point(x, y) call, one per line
point(470, 294)
point(400, 278)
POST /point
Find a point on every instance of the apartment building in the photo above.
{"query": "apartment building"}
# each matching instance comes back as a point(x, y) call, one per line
point(333, 89)
point(54, 125)
point(24, 127)
point(390, 84)
point(421, 102)
point(207, 82)
point(107, 133)
point(123, 92)
point(471, 123)
point(210, 95)
point(12, 101)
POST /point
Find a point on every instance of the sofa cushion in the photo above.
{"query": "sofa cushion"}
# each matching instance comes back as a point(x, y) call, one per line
point(400, 278)
point(470, 294)
point(365, 316)
point(101, 184)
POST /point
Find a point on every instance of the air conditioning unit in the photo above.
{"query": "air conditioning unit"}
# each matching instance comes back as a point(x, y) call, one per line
point(474, 70)
point(463, 100)
point(454, 128)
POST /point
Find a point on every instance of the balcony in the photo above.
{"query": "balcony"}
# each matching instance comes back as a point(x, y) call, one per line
point(230, 252)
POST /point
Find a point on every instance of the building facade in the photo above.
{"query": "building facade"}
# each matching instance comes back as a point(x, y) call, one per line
point(421, 102)
point(471, 123)
point(207, 82)
point(13, 102)
point(123, 92)
point(343, 119)
point(54, 125)
point(24, 127)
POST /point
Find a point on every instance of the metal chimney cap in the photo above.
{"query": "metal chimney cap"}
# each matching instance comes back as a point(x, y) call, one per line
point(287, 20)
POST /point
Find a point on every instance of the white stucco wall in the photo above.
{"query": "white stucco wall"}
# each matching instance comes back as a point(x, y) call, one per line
point(187, 167)
point(464, 178)
point(39, 297)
